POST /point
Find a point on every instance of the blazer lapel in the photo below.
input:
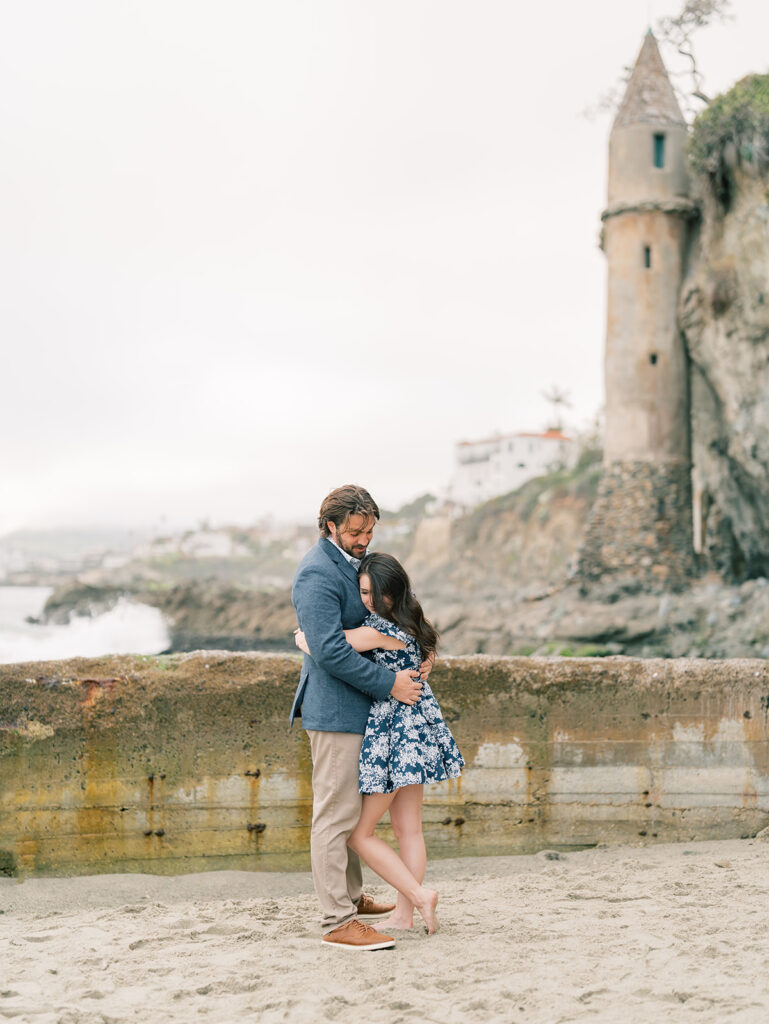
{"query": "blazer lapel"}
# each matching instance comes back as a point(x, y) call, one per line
point(339, 560)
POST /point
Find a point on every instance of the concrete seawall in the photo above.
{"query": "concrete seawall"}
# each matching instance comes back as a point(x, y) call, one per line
point(186, 763)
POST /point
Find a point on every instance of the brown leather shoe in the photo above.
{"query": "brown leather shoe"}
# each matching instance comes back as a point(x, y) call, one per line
point(368, 908)
point(357, 935)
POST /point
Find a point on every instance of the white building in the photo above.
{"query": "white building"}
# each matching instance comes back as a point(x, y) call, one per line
point(498, 465)
point(192, 544)
point(211, 544)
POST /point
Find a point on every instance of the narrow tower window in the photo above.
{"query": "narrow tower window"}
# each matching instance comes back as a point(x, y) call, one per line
point(653, 358)
point(659, 150)
point(647, 256)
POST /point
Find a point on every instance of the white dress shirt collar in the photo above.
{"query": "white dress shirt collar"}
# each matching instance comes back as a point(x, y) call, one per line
point(354, 562)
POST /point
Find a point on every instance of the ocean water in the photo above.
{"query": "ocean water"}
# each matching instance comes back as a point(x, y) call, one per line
point(126, 629)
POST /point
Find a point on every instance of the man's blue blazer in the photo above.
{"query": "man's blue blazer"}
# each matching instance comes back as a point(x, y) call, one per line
point(337, 685)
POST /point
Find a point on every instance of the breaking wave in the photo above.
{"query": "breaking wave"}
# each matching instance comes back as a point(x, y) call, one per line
point(127, 628)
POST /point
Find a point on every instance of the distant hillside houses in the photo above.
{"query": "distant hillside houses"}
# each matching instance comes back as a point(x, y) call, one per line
point(500, 464)
point(202, 543)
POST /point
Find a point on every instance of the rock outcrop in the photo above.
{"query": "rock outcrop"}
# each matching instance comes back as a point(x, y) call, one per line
point(515, 546)
point(724, 315)
point(201, 614)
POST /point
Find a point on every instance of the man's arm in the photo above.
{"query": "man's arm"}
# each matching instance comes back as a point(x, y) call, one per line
point(319, 613)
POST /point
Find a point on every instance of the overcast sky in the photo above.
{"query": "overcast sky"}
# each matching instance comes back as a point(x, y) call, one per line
point(253, 250)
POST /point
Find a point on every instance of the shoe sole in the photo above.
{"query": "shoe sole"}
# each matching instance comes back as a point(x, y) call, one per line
point(349, 945)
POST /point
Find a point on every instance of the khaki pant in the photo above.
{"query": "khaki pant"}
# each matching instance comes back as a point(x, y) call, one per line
point(336, 802)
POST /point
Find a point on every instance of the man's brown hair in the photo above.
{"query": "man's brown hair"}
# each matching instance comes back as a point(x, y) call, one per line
point(342, 503)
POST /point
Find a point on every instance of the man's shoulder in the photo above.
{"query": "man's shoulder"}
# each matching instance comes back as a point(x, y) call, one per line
point(315, 561)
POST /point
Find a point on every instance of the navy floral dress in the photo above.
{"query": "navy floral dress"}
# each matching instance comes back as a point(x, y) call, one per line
point(405, 744)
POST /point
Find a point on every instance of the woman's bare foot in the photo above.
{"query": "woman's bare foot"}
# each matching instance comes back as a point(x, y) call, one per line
point(398, 923)
point(426, 907)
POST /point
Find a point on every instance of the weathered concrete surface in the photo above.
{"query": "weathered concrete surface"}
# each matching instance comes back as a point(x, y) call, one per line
point(186, 762)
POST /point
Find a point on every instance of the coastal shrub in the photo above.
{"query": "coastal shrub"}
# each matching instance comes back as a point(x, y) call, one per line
point(592, 651)
point(590, 455)
point(564, 650)
point(732, 133)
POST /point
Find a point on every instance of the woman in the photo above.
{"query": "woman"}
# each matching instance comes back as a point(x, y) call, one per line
point(405, 746)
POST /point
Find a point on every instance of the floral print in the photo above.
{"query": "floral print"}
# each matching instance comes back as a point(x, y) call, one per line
point(405, 745)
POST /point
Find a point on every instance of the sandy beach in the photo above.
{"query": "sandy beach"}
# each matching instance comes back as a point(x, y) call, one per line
point(663, 933)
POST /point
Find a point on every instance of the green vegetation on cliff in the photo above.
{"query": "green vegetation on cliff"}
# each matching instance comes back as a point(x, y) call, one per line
point(733, 132)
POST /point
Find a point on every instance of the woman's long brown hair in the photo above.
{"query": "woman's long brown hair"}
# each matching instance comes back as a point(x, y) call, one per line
point(390, 583)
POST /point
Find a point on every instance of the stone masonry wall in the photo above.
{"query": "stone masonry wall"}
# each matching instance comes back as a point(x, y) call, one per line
point(640, 527)
point(186, 763)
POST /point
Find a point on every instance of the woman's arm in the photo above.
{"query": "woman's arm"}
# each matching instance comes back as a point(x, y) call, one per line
point(364, 638)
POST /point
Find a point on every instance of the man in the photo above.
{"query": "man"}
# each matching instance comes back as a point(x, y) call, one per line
point(336, 688)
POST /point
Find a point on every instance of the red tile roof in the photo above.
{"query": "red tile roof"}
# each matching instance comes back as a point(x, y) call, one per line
point(551, 435)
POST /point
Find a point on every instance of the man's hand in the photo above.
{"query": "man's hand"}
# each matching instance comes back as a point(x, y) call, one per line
point(407, 687)
point(301, 641)
point(427, 666)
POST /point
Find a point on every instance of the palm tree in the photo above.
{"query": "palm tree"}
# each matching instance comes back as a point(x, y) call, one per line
point(558, 399)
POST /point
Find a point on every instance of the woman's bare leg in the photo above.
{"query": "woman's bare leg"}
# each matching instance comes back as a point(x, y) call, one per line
point(406, 820)
point(385, 861)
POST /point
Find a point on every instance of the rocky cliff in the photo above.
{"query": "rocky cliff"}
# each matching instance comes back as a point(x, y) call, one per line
point(519, 545)
point(724, 315)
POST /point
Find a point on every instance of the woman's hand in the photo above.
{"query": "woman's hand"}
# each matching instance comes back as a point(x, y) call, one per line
point(427, 666)
point(300, 641)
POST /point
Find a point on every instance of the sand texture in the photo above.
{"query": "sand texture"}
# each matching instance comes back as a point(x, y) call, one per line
point(623, 935)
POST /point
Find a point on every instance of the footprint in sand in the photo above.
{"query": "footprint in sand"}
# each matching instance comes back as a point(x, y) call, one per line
point(222, 929)
point(156, 940)
point(591, 994)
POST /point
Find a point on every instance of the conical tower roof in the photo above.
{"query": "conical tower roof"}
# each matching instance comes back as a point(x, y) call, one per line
point(649, 98)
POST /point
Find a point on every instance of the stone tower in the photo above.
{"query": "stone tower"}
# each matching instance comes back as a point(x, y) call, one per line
point(640, 526)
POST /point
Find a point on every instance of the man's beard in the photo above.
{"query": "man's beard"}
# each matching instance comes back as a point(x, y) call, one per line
point(358, 551)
